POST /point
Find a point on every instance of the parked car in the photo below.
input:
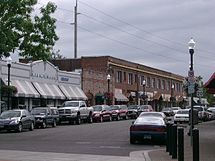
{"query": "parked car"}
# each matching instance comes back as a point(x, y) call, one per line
point(182, 116)
point(154, 114)
point(119, 112)
point(144, 108)
point(175, 109)
point(55, 113)
point(43, 117)
point(101, 113)
point(148, 128)
point(75, 111)
point(202, 112)
point(211, 110)
point(132, 111)
point(168, 111)
point(16, 120)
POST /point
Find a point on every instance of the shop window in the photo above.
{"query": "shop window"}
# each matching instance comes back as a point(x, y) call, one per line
point(148, 82)
point(130, 78)
point(125, 76)
point(35, 102)
point(153, 83)
point(119, 77)
point(163, 85)
point(168, 86)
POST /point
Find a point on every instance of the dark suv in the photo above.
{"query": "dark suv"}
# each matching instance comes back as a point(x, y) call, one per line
point(44, 117)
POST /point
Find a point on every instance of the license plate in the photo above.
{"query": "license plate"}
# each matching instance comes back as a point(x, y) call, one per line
point(147, 137)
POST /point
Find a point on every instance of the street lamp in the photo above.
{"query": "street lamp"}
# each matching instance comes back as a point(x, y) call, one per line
point(172, 89)
point(108, 98)
point(9, 60)
point(144, 90)
point(191, 46)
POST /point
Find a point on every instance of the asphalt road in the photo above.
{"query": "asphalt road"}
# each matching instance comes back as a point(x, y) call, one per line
point(107, 138)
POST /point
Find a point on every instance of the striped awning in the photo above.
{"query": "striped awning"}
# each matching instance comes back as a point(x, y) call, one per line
point(73, 92)
point(24, 88)
point(50, 91)
point(120, 97)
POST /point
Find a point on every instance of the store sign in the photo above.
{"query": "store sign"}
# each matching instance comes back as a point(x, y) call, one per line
point(43, 76)
point(64, 79)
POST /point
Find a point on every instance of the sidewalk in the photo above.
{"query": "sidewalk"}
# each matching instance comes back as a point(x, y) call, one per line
point(162, 155)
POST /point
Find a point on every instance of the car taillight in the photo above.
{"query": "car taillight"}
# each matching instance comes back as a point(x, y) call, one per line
point(134, 128)
point(161, 129)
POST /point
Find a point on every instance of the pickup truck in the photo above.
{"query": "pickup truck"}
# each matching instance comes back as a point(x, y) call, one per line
point(75, 111)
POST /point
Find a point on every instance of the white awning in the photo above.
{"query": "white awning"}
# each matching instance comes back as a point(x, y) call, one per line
point(24, 88)
point(50, 91)
point(73, 92)
point(120, 97)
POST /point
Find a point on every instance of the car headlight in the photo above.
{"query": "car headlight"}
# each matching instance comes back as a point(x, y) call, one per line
point(14, 122)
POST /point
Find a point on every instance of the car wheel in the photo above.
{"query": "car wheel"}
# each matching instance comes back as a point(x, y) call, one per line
point(78, 120)
point(110, 118)
point(132, 140)
point(101, 119)
point(118, 118)
point(31, 126)
point(54, 123)
point(20, 127)
point(90, 119)
point(44, 125)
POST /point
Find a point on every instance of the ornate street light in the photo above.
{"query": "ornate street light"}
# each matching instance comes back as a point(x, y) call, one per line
point(172, 90)
point(191, 46)
point(108, 80)
point(9, 60)
point(144, 90)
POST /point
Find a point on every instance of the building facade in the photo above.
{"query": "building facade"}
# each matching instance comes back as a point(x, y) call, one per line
point(39, 83)
point(106, 78)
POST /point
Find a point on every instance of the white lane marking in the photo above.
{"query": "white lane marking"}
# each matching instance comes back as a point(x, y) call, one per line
point(111, 147)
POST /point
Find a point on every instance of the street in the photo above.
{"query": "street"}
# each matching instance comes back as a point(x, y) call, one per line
point(107, 138)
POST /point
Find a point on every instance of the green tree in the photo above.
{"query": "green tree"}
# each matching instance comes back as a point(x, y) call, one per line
point(34, 37)
point(14, 14)
point(39, 41)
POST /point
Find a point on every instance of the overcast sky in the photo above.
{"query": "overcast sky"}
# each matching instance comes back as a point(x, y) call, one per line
point(149, 32)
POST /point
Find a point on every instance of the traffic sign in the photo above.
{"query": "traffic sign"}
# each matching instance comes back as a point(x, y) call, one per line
point(191, 73)
point(199, 92)
point(191, 88)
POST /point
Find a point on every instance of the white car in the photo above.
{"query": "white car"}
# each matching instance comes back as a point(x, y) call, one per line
point(182, 116)
point(175, 109)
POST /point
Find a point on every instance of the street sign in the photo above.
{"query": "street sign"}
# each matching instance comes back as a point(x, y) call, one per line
point(191, 88)
point(191, 73)
point(199, 92)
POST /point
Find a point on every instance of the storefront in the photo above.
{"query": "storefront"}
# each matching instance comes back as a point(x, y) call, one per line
point(40, 83)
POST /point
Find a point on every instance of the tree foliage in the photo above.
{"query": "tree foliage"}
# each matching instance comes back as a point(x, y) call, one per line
point(34, 37)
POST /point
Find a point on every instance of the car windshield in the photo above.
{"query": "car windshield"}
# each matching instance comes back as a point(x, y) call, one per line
point(150, 114)
point(10, 114)
point(97, 108)
point(132, 107)
point(144, 107)
point(183, 112)
point(166, 109)
point(175, 108)
point(114, 107)
point(149, 121)
point(38, 111)
point(71, 104)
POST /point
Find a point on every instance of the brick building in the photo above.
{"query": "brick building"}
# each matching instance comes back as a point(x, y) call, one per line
point(126, 82)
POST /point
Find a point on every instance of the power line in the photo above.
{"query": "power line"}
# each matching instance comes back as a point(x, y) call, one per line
point(147, 32)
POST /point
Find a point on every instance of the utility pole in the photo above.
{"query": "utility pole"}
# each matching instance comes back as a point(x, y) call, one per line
point(75, 30)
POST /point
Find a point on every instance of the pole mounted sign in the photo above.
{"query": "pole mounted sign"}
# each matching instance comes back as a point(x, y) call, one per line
point(191, 82)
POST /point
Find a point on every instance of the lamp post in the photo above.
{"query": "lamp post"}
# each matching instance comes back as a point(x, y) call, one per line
point(172, 89)
point(144, 90)
point(8, 80)
point(191, 46)
point(108, 98)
